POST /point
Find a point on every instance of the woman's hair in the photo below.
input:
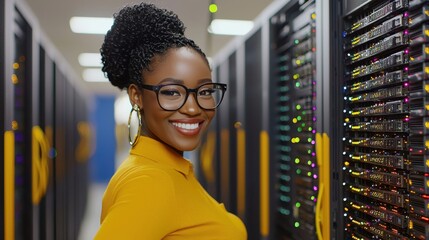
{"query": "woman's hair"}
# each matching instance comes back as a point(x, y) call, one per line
point(139, 33)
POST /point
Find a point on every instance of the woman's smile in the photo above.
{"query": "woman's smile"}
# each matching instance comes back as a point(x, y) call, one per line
point(188, 127)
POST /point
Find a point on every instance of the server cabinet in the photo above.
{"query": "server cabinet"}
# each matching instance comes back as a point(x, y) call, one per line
point(22, 113)
point(83, 150)
point(385, 55)
point(34, 109)
point(233, 125)
point(60, 158)
point(275, 112)
point(46, 123)
point(294, 105)
point(224, 173)
point(253, 127)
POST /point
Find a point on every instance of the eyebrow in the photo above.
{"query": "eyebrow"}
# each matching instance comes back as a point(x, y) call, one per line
point(178, 81)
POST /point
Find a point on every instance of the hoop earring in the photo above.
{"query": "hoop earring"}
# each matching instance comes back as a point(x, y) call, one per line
point(137, 109)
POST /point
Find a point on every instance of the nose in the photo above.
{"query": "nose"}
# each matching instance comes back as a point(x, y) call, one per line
point(191, 106)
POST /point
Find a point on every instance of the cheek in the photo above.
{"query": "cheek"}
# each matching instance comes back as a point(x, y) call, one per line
point(152, 112)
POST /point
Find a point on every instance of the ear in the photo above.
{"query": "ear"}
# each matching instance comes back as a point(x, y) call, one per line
point(135, 95)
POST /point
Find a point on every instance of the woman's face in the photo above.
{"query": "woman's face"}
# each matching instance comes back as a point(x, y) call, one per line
point(181, 129)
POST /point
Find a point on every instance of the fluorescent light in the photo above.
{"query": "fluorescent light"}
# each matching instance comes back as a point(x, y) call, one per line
point(90, 60)
point(230, 27)
point(90, 25)
point(94, 75)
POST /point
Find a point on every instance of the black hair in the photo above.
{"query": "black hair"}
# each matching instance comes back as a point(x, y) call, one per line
point(138, 34)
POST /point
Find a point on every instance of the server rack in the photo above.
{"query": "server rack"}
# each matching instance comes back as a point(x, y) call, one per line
point(294, 100)
point(40, 173)
point(258, 131)
point(232, 131)
point(46, 118)
point(253, 110)
point(371, 71)
point(22, 110)
point(224, 174)
point(385, 119)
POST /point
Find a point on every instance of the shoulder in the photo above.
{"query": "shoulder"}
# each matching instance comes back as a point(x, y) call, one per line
point(140, 178)
point(141, 171)
point(138, 195)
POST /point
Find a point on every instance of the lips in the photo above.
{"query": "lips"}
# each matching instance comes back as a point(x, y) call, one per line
point(187, 127)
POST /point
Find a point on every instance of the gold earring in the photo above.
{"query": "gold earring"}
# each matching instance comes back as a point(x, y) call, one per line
point(137, 109)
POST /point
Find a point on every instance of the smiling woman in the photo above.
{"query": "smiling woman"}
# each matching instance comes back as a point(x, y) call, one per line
point(154, 193)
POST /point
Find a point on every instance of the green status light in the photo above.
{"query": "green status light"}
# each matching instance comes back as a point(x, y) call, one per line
point(213, 8)
point(296, 224)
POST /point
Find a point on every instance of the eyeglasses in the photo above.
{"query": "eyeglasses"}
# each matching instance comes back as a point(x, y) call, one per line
point(172, 97)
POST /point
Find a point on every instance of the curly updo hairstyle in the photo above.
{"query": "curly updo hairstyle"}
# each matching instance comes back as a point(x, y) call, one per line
point(139, 33)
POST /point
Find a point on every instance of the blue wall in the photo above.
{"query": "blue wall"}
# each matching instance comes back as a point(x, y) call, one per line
point(102, 164)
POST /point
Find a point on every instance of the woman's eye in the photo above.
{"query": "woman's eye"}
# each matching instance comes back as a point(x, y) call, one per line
point(171, 92)
point(206, 92)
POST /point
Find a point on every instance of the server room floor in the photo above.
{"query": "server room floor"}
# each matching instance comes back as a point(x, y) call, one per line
point(91, 221)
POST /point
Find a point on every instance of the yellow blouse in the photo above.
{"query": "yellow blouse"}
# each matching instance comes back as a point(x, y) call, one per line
point(154, 195)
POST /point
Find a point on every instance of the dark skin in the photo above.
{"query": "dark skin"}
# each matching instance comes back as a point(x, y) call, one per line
point(179, 65)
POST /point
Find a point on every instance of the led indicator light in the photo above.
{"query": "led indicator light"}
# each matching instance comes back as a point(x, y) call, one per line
point(213, 8)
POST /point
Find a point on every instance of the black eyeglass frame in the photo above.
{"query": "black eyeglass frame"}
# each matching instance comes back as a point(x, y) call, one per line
point(156, 88)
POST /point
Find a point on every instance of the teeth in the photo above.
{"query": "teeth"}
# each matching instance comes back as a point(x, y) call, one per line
point(187, 126)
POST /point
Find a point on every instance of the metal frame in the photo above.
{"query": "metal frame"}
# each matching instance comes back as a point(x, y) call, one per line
point(2, 110)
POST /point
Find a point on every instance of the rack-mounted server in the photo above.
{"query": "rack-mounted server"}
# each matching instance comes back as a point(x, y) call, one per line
point(385, 45)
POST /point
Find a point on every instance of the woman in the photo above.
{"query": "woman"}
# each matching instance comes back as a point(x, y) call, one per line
point(154, 193)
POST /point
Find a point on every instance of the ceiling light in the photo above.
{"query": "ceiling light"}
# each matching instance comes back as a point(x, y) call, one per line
point(94, 75)
point(90, 60)
point(230, 27)
point(90, 25)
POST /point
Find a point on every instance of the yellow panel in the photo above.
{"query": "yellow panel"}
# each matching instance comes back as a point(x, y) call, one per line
point(241, 172)
point(323, 200)
point(39, 167)
point(84, 148)
point(224, 151)
point(9, 185)
point(326, 208)
point(207, 152)
point(264, 184)
point(319, 156)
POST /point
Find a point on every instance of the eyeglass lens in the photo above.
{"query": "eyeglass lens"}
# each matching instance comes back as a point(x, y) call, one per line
point(172, 97)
